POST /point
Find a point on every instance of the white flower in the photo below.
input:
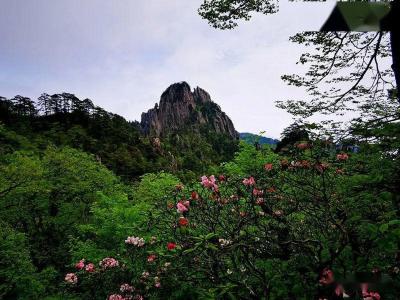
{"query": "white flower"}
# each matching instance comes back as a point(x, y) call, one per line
point(136, 241)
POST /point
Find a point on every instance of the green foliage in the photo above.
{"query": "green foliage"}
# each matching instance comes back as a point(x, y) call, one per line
point(118, 144)
point(18, 279)
point(255, 139)
point(224, 14)
point(154, 186)
point(115, 218)
point(249, 161)
point(45, 197)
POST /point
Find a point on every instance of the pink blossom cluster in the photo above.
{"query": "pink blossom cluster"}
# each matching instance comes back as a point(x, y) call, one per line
point(116, 297)
point(249, 181)
point(326, 277)
point(257, 192)
point(260, 201)
point(145, 274)
point(268, 167)
point(157, 282)
point(209, 182)
point(182, 206)
point(342, 156)
point(303, 146)
point(126, 288)
point(127, 297)
point(369, 295)
point(135, 241)
point(151, 258)
point(81, 265)
point(90, 268)
point(109, 262)
point(71, 278)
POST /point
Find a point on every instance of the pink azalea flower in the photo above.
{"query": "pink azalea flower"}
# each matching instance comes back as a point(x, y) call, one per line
point(138, 297)
point(342, 156)
point(80, 265)
point(303, 146)
point(321, 167)
point(181, 208)
point(115, 297)
point(109, 262)
point(249, 181)
point(126, 288)
point(209, 182)
point(260, 201)
point(136, 241)
point(268, 167)
point(339, 290)
point(151, 258)
point(157, 283)
point(205, 181)
point(326, 277)
point(71, 278)
point(212, 179)
point(339, 171)
point(257, 192)
point(369, 295)
point(145, 274)
point(90, 268)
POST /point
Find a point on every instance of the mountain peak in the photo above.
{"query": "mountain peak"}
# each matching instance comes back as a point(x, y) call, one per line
point(180, 107)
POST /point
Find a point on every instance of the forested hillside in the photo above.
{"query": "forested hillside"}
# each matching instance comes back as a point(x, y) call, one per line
point(120, 145)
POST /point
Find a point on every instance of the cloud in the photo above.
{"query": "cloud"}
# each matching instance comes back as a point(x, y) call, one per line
point(124, 54)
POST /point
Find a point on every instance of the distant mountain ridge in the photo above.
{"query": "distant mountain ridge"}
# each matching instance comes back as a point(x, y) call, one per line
point(181, 108)
point(251, 138)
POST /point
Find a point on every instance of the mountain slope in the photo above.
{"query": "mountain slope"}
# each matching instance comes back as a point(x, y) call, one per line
point(251, 138)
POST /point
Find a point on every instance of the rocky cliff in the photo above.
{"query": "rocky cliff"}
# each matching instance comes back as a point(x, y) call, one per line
point(180, 107)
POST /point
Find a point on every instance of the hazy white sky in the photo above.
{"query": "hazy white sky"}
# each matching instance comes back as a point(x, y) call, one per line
point(123, 54)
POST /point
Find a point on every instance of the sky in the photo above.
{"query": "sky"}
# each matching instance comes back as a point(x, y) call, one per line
point(123, 54)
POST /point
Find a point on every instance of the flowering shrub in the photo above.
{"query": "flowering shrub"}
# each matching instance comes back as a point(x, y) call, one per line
point(279, 232)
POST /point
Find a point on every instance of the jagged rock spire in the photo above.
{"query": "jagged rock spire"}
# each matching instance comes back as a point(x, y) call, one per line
point(180, 107)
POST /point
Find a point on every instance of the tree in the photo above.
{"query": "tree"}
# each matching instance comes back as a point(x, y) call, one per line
point(224, 14)
point(17, 273)
point(23, 106)
point(338, 57)
point(291, 135)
